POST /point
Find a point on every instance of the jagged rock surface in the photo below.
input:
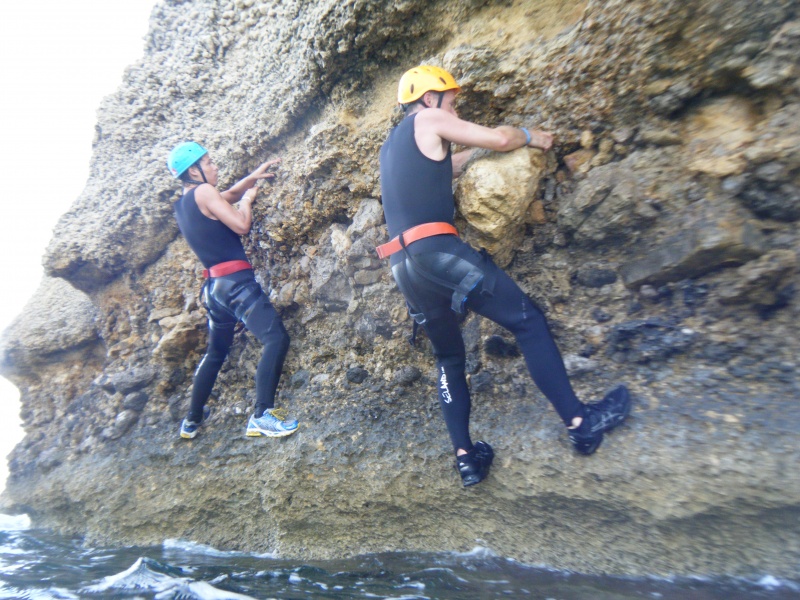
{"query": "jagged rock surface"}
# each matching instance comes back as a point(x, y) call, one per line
point(660, 237)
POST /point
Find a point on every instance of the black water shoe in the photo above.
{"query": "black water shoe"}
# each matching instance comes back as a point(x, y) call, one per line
point(474, 465)
point(600, 417)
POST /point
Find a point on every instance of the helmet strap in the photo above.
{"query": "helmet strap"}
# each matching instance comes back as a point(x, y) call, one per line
point(202, 174)
point(194, 181)
point(441, 97)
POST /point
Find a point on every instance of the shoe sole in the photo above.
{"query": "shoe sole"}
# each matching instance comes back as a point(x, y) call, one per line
point(472, 480)
point(188, 436)
point(271, 434)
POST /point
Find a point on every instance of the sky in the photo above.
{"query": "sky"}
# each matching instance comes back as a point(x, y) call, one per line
point(58, 59)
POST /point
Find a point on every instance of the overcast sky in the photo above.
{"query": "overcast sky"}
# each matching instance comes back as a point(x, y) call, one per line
point(58, 59)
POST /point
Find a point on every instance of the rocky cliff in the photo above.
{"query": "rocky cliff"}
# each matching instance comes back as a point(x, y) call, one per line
point(660, 237)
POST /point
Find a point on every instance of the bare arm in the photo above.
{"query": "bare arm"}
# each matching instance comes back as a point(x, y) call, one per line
point(213, 205)
point(434, 128)
point(235, 192)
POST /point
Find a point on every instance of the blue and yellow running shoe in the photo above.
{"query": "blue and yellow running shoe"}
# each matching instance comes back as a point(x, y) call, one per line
point(189, 428)
point(273, 423)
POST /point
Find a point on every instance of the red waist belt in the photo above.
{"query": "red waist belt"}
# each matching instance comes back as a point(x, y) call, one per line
point(226, 268)
point(412, 235)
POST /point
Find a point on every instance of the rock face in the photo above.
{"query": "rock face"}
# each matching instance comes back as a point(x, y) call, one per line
point(659, 235)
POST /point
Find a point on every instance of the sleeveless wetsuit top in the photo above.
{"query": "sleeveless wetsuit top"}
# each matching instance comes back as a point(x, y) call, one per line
point(212, 241)
point(415, 189)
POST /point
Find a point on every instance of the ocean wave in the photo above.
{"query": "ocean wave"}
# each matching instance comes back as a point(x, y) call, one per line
point(773, 583)
point(147, 575)
point(189, 547)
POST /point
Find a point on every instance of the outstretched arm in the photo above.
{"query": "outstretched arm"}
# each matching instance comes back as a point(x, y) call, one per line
point(235, 192)
point(434, 126)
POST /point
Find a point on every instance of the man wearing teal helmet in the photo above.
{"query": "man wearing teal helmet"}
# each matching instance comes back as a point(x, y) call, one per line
point(212, 225)
point(442, 277)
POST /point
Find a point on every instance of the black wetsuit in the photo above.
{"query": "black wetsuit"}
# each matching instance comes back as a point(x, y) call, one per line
point(230, 299)
point(442, 276)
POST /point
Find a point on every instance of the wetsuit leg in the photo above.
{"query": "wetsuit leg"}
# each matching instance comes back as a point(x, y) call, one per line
point(510, 307)
point(454, 398)
point(263, 321)
point(220, 338)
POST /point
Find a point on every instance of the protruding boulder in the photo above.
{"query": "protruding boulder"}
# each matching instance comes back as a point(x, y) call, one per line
point(708, 235)
point(57, 319)
point(495, 195)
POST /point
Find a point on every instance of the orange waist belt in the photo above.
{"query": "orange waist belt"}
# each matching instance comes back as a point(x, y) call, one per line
point(412, 235)
point(226, 268)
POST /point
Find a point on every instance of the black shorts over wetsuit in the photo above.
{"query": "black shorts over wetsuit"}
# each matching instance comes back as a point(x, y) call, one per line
point(229, 300)
point(442, 276)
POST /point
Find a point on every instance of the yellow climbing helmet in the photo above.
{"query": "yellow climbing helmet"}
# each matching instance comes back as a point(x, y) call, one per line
point(424, 78)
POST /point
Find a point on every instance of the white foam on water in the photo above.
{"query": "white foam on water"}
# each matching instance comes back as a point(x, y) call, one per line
point(413, 585)
point(137, 576)
point(478, 552)
point(199, 590)
point(13, 551)
point(50, 594)
point(14, 522)
point(295, 578)
point(140, 577)
point(197, 548)
point(769, 582)
point(773, 583)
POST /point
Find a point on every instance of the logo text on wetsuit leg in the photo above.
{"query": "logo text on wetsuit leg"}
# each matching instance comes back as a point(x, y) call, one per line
point(446, 398)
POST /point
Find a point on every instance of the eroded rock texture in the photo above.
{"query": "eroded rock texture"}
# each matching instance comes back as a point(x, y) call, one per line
point(659, 235)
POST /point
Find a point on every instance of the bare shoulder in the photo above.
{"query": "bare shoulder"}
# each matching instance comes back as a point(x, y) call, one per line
point(205, 194)
point(209, 201)
point(434, 116)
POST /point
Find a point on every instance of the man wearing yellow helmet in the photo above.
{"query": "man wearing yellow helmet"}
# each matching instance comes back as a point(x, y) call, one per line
point(442, 276)
point(212, 225)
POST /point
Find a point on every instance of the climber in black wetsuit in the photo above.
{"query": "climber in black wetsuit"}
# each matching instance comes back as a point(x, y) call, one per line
point(212, 226)
point(441, 276)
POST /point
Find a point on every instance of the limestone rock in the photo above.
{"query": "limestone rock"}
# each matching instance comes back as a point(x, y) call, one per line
point(760, 282)
point(132, 380)
point(770, 186)
point(579, 365)
point(684, 185)
point(329, 285)
point(369, 215)
point(718, 134)
point(56, 320)
point(609, 206)
point(580, 161)
point(495, 195)
point(182, 336)
point(710, 235)
point(122, 423)
point(135, 401)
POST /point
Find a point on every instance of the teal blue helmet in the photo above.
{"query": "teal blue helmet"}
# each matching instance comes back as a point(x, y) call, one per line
point(184, 156)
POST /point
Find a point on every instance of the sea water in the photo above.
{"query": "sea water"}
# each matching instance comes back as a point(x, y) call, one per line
point(37, 565)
